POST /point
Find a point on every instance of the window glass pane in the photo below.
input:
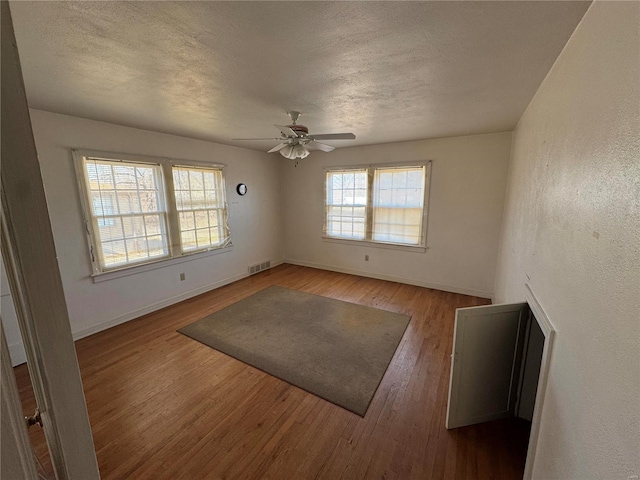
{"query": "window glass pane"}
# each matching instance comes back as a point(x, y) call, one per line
point(134, 227)
point(146, 180)
point(200, 203)
point(183, 199)
point(137, 248)
point(202, 237)
point(110, 229)
point(415, 179)
point(152, 224)
point(202, 219)
point(214, 218)
point(197, 199)
point(125, 176)
point(187, 220)
point(211, 200)
point(209, 181)
point(181, 179)
point(157, 245)
point(114, 253)
point(128, 201)
point(100, 176)
point(188, 240)
point(195, 180)
point(103, 203)
point(148, 201)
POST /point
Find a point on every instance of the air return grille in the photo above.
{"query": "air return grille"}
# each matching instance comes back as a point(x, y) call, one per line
point(259, 267)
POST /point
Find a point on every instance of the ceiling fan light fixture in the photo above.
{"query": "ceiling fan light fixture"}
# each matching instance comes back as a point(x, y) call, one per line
point(294, 151)
point(300, 151)
point(295, 138)
point(287, 152)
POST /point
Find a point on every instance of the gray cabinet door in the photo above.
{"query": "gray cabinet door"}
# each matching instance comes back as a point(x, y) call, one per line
point(485, 363)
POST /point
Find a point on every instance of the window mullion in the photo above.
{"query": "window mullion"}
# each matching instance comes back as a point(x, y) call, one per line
point(369, 207)
point(96, 251)
point(173, 221)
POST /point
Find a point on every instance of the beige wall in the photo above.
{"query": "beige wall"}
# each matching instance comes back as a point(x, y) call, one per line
point(572, 231)
point(465, 211)
point(467, 195)
point(254, 220)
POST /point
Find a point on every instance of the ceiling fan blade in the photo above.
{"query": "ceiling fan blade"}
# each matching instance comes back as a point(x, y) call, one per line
point(270, 138)
point(333, 136)
point(286, 131)
point(278, 147)
point(320, 146)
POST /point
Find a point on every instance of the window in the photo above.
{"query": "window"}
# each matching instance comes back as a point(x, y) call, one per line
point(347, 204)
point(200, 203)
point(133, 219)
point(398, 201)
point(382, 204)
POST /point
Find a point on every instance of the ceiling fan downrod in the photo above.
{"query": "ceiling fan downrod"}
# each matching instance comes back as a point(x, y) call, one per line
point(294, 116)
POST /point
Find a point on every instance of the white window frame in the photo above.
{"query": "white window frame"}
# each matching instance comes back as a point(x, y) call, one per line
point(175, 253)
point(370, 168)
point(366, 206)
point(222, 207)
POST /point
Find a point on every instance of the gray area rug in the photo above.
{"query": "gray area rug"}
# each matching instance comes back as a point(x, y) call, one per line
point(336, 350)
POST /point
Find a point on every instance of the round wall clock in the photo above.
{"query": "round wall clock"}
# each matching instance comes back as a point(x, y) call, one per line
point(241, 189)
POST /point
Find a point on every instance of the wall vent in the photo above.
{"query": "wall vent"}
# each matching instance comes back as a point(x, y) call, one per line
point(258, 267)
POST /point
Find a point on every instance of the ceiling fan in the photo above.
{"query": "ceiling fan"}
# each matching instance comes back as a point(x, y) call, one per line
point(296, 141)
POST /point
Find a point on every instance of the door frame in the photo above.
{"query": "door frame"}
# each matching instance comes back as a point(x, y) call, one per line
point(18, 457)
point(549, 335)
point(31, 264)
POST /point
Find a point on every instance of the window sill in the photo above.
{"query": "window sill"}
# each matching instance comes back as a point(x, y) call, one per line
point(165, 262)
point(367, 243)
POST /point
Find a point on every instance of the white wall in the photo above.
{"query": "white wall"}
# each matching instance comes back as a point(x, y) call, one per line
point(254, 220)
point(572, 230)
point(466, 204)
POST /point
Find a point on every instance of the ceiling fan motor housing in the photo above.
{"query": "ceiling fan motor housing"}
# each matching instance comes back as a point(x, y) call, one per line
point(299, 129)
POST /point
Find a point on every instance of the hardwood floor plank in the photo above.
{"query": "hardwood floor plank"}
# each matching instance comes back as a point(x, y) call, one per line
point(163, 406)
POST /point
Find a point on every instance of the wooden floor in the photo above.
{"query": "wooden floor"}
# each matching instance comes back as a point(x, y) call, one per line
point(162, 405)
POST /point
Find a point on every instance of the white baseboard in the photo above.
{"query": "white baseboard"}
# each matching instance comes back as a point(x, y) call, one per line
point(18, 354)
point(162, 304)
point(391, 278)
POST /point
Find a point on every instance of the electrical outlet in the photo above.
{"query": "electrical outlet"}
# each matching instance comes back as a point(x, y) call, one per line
point(366, 258)
point(182, 277)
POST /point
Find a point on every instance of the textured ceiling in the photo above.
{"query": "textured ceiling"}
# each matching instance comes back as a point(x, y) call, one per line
point(386, 71)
